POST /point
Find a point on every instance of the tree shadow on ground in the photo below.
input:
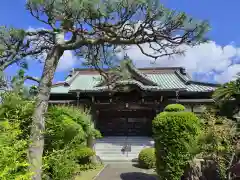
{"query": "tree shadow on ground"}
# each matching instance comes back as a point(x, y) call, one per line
point(139, 166)
point(138, 176)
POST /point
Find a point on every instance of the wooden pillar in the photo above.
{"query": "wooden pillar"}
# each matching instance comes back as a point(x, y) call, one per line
point(192, 106)
point(78, 97)
point(91, 139)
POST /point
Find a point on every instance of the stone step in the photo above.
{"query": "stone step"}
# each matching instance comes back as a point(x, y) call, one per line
point(118, 157)
point(109, 148)
point(111, 139)
point(117, 153)
point(122, 144)
point(99, 146)
point(122, 140)
point(125, 159)
point(119, 148)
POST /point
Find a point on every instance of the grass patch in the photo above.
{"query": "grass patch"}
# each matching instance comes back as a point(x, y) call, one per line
point(90, 174)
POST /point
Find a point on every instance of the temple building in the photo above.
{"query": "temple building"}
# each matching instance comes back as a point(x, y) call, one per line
point(125, 104)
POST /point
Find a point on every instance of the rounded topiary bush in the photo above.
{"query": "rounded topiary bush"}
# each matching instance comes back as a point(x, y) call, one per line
point(146, 158)
point(83, 154)
point(176, 136)
point(174, 108)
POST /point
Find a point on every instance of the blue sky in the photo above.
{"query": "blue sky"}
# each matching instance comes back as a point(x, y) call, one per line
point(223, 17)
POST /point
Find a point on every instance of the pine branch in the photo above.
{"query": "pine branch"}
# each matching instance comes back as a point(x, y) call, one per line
point(31, 78)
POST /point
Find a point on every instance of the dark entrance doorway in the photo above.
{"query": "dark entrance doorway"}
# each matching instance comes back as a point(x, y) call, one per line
point(125, 122)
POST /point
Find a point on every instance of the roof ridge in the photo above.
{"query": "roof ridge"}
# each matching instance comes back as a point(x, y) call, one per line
point(188, 80)
point(72, 78)
point(143, 75)
point(184, 77)
point(58, 83)
point(142, 68)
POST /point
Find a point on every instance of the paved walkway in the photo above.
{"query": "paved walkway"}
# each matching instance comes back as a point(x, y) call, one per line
point(125, 172)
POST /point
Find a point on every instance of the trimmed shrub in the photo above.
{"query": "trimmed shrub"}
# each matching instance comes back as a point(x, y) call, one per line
point(174, 108)
point(176, 142)
point(67, 125)
point(146, 158)
point(83, 156)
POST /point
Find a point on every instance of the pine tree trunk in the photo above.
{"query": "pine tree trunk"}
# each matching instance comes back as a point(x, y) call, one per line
point(38, 120)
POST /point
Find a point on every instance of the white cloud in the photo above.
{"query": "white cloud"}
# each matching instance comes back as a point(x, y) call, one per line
point(67, 61)
point(228, 74)
point(210, 60)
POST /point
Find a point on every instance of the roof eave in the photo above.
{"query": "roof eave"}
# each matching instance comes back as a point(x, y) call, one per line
point(205, 83)
point(112, 90)
point(193, 100)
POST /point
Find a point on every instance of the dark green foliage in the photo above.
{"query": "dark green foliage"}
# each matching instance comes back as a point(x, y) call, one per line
point(227, 108)
point(83, 157)
point(83, 154)
point(218, 141)
point(67, 129)
point(174, 108)
point(176, 138)
point(62, 129)
point(67, 126)
point(227, 97)
point(228, 91)
point(146, 158)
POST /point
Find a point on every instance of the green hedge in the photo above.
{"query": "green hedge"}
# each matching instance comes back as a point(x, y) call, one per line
point(174, 108)
point(175, 135)
point(146, 158)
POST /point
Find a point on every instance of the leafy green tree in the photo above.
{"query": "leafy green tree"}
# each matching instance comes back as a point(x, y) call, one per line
point(228, 95)
point(228, 91)
point(17, 85)
point(95, 27)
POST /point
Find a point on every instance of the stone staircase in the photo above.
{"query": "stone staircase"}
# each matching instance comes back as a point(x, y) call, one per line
point(109, 148)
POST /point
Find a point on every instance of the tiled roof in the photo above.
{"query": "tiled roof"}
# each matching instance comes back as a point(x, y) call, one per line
point(170, 79)
point(60, 89)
